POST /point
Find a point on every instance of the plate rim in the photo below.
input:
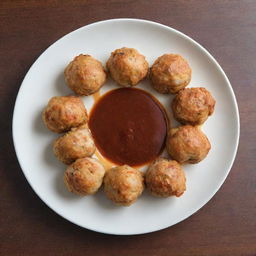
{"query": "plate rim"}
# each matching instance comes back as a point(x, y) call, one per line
point(192, 211)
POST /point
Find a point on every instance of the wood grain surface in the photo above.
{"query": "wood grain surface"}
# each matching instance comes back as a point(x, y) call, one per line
point(226, 225)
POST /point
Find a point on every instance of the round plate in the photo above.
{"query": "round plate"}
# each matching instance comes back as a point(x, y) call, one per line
point(33, 142)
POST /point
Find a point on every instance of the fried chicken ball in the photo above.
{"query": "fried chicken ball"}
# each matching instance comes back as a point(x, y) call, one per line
point(187, 144)
point(193, 105)
point(127, 66)
point(77, 143)
point(84, 176)
point(123, 185)
point(165, 178)
point(63, 113)
point(170, 73)
point(85, 75)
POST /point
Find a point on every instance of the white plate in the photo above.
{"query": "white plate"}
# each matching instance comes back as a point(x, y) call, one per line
point(33, 141)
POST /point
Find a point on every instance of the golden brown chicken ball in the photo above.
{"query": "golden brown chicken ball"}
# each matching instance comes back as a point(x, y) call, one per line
point(85, 75)
point(165, 178)
point(127, 66)
point(193, 105)
point(170, 73)
point(123, 185)
point(77, 143)
point(84, 176)
point(63, 113)
point(187, 144)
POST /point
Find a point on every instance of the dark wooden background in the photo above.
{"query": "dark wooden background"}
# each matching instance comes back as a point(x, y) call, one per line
point(226, 225)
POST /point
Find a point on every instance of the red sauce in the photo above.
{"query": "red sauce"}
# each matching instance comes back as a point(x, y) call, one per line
point(129, 126)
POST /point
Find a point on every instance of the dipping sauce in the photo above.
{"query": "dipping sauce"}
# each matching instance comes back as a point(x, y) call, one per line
point(129, 126)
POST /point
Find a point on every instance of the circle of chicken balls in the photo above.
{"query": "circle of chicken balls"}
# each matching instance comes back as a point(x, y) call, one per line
point(85, 75)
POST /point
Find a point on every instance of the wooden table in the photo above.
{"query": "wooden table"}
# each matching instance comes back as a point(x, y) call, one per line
point(227, 224)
